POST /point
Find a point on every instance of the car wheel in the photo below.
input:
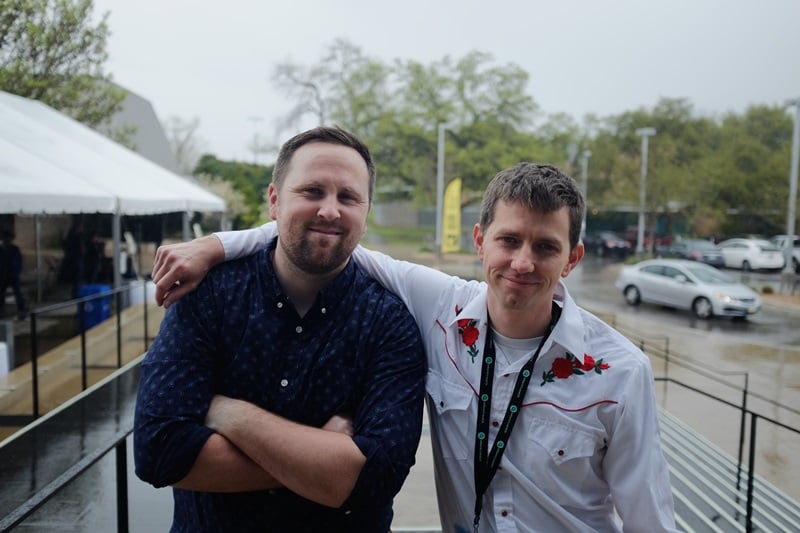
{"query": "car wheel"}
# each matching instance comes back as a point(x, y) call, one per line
point(632, 295)
point(701, 308)
point(746, 266)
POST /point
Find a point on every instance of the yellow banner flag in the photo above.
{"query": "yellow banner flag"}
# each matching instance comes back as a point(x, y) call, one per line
point(451, 217)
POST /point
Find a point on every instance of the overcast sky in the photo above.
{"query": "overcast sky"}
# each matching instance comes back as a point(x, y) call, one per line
point(213, 59)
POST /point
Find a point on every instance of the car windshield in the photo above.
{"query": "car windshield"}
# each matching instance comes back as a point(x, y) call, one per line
point(704, 245)
point(766, 246)
point(710, 275)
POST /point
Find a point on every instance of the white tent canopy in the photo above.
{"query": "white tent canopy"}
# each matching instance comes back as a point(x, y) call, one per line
point(85, 162)
point(52, 164)
point(29, 184)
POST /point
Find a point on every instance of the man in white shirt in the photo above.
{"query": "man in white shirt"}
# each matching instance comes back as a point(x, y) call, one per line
point(536, 405)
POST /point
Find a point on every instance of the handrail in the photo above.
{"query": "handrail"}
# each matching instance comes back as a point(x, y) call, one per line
point(81, 303)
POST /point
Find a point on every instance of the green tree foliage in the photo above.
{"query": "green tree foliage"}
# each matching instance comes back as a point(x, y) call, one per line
point(713, 175)
point(248, 180)
point(52, 51)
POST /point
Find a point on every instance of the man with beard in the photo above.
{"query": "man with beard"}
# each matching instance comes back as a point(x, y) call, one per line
point(285, 393)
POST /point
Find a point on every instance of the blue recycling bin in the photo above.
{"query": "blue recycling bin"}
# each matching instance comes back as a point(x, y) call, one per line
point(97, 309)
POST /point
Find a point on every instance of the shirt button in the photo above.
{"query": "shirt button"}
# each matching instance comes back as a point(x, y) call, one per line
point(504, 513)
point(280, 305)
point(323, 310)
point(284, 382)
point(299, 329)
point(560, 452)
point(495, 423)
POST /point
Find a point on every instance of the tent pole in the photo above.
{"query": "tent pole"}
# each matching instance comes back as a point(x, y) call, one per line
point(187, 234)
point(116, 231)
point(37, 230)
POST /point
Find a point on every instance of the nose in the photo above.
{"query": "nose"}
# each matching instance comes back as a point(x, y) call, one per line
point(523, 262)
point(329, 208)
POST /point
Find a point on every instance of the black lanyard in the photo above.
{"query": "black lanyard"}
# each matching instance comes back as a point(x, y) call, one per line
point(486, 462)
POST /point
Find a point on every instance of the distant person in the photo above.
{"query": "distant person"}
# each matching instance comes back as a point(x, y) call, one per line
point(10, 272)
point(538, 407)
point(286, 393)
point(72, 270)
point(94, 254)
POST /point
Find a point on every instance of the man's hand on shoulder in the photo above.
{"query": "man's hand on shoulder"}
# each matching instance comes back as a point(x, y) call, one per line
point(179, 268)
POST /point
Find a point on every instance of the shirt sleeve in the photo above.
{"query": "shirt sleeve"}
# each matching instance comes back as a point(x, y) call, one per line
point(421, 288)
point(242, 243)
point(635, 466)
point(175, 390)
point(388, 421)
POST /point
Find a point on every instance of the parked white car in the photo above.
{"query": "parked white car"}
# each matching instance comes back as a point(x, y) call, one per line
point(682, 284)
point(781, 241)
point(751, 254)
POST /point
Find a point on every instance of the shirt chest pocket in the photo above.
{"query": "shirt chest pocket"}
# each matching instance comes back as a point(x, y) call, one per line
point(560, 457)
point(453, 419)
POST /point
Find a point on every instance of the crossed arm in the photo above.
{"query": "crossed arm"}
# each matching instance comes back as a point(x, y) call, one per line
point(253, 449)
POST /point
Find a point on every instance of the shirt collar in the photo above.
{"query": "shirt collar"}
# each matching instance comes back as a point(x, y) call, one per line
point(564, 333)
point(570, 329)
point(329, 296)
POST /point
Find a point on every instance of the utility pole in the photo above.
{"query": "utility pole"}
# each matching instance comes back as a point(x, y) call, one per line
point(644, 133)
point(792, 213)
point(255, 121)
point(439, 189)
point(585, 186)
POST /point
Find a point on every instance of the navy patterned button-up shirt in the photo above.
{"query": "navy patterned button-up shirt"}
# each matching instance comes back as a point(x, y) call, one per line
point(357, 351)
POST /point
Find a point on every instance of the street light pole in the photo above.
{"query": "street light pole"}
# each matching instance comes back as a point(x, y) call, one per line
point(790, 217)
point(790, 222)
point(585, 186)
point(255, 121)
point(440, 189)
point(644, 133)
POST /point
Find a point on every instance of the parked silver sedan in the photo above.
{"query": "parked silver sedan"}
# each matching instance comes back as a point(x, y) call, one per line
point(689, 285)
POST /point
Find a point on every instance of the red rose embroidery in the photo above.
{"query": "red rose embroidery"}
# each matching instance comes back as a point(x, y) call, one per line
point(469, 334)
point(564, 367)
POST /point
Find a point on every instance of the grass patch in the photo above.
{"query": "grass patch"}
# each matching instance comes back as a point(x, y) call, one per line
point(393, 235)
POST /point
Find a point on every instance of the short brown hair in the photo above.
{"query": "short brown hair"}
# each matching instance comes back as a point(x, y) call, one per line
point(541, 187)
point(322, 134)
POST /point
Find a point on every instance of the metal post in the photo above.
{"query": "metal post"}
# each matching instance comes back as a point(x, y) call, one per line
point(122, 486)
point(439, 189)
point(644, 133)
point(791, 214)
point(116, 235)
point(585, 186)
point(255, 121)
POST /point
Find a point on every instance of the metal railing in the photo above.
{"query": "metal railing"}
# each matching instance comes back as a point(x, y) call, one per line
point(659, 347)
point(120, 295)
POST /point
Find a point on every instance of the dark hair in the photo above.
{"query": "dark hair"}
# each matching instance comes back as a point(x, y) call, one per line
point(323, 134)
point(541, 187)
